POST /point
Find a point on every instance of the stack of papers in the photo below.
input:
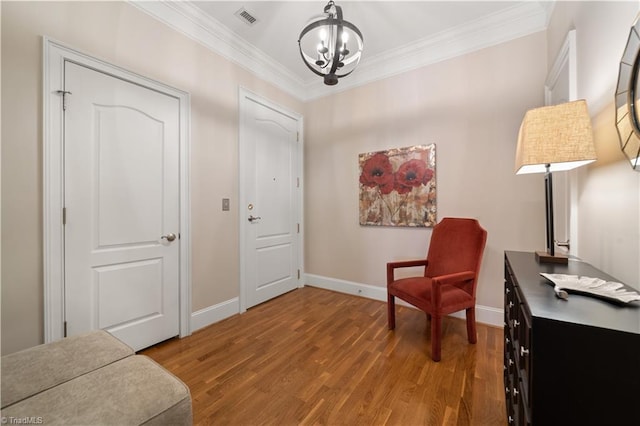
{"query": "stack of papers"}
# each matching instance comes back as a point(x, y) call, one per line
point(594, 286)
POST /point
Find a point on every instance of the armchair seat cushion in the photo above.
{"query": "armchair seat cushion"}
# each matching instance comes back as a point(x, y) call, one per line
point(417, 291)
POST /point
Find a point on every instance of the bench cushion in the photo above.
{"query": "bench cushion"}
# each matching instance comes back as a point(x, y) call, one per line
point(31, 371)
point(132, 391)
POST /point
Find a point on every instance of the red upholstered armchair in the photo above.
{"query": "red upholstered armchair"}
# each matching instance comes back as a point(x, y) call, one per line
point(450, 276)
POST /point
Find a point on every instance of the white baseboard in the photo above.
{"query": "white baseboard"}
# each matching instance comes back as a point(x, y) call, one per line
point(228, 308)
point(484, 314)
point(215, 313)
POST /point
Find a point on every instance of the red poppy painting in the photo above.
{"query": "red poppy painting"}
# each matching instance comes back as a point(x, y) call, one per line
point(398, 187)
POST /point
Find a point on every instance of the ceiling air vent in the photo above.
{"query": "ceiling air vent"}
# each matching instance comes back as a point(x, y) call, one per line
point(245, 16)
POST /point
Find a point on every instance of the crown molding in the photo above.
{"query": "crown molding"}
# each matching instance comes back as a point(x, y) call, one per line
point(509, 24)
point(518, 21)
point(189, 20)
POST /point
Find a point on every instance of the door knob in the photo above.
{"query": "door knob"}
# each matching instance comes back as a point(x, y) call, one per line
point(252, 218)
point(169, 237)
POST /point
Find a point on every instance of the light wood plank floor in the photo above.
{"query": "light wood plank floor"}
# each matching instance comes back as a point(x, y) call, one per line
point(314, 356)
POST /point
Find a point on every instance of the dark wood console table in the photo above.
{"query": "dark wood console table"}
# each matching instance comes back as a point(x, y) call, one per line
point(574, 362)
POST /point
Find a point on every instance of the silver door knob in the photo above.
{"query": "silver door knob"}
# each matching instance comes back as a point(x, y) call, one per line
point(169, 237)
point(252, 218)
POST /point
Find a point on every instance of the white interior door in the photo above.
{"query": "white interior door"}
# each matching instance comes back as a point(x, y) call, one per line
point(269, 213)
point(121, 195)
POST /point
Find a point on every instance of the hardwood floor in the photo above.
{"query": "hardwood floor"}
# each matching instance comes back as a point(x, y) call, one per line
point(314, 356)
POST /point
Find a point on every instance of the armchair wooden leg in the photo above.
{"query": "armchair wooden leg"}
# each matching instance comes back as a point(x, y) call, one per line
point(391, 311)
point(471, 325)
point(436, 330)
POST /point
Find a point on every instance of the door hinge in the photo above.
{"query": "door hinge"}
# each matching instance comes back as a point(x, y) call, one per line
point(297, 182)
point(297, 136)
point(298, 273)
point(65, 329)
point(298, 228)
point(64, 94)
point(64, 215)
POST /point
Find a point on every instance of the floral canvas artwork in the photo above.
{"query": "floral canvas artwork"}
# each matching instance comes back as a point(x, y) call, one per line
point(398, 187)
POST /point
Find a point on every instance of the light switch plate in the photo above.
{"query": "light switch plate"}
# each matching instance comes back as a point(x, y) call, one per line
point(225, 204)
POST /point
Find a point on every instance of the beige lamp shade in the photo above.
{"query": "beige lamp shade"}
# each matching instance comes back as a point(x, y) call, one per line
point(558, 135)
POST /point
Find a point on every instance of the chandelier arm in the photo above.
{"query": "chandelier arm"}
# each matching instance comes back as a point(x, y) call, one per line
point(345, 74)
point(307, 63)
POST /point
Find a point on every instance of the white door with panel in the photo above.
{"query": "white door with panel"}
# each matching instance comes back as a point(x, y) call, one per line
point(122, 203)
point(269, 211)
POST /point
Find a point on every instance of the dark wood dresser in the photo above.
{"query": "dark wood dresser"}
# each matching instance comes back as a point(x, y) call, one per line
point(567, 362)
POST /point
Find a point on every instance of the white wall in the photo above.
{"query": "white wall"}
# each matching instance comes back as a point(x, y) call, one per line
point(124, 35)
point(471, 107)
point(609, 191)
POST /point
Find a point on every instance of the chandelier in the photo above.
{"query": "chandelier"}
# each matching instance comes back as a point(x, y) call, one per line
point(325, 45)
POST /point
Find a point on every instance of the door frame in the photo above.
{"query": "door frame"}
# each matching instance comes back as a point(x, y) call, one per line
point(244, 96)
point(567, 190)
point(54, 56)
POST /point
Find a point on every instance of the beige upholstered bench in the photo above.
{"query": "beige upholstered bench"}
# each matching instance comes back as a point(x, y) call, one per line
point(89, 380)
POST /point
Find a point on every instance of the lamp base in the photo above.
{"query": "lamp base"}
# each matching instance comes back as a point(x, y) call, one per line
point(544, 257)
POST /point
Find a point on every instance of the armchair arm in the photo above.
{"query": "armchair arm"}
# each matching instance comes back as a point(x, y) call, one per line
point(449, 279)
point(453, 278)
point(391, 266)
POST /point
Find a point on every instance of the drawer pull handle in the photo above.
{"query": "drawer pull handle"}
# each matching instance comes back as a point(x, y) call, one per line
point(508, 291)
point(523, 351)
point(515, 392)
point(510, 419)
point(516, 323)
point(511, 304)
point(510, 361)
point(506, 339)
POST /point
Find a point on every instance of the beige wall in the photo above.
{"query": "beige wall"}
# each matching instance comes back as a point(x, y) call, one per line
point(609, 195)
point(471, 108)
point(125, 36)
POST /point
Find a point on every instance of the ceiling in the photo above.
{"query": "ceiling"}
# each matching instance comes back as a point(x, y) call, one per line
point(398, 35)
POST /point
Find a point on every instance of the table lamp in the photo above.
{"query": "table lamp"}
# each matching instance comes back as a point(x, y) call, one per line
point(554, 138)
